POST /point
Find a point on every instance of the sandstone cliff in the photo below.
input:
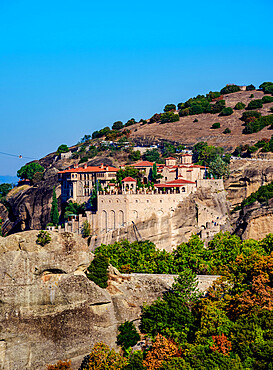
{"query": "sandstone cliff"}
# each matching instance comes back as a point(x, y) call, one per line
point(49, 310)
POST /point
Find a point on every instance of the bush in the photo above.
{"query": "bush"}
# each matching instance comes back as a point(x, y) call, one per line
point(213, 95)
point(169, 107)
point(101, 133)
point(227, 131)
point(62, 149)
point(86, 229)
point(267, 87)
point(184, 112)
point(218, 106)
point(250, 87)
point(169, 117)
point(239, 106)
point(226, 111)
point(134, 156)
point(180, 105)
point(117, 125)
point(255, 104)
point(251, 114)
point(60, 365)
point(230, 89)
point(267, 99)
point(151, 155)
point(128, 335)
point(258, 124)
point(215, 125)
point(196, 109)
point(251, 96)
point(97, 271)
point(43, 238)
point(155, 118)
point(83, 160)
point(195, 120)
point(130, 122)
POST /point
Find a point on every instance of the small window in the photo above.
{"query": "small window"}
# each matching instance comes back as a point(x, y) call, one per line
point(148, 201)
point(161, 200)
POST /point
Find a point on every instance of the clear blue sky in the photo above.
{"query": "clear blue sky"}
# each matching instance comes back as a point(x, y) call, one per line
point(68, 68)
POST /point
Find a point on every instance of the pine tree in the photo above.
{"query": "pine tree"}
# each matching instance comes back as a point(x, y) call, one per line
point(54, 214)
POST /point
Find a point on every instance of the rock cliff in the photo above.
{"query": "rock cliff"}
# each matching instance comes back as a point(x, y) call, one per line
point(49, 310)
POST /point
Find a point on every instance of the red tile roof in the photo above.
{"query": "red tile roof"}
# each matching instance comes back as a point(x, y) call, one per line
point(101, 168)
point(174, 183)
point(171, 158)
point(129, 179)
point(144, 164)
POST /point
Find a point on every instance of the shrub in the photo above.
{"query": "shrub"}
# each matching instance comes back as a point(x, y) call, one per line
point(255, 104)
point(230, 89)
point(134, 155)
point(271, 109)
point(37, 177)
point(196, 109)
point(155, 118)
point(239, 106)
point(101, 133)
point(258, 124)
point(227, 131)
point(43, 238)
point(251, 96)
point(86, 229)
point(180, 105)
point(97, 271)
point(169, 107)
point(218, 106)
point(169, 117)
point(62, 149)
point(226, 111)
point(130, 122)
point(195, 120)
point(215, 125)
point(267, 99)
point(250, 87)
point(117, 125)
point(267, 87)
point(60, 365)
point(213, 95)
point(251, 114)
point(184, 112)
point(83, 159)
point(128, 335)
point(104, 358)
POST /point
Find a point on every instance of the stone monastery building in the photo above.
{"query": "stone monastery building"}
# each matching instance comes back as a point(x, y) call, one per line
point(120, 207)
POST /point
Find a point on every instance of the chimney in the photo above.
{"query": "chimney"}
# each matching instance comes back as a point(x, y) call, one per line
point(101, 166)
point(107, 168)
point(85, 165)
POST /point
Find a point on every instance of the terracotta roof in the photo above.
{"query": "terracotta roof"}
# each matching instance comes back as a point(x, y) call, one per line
point(186, 155)
point(101, 168)
point(129, 179)
point(174, 183)
point(171, 158)
point(144, 164)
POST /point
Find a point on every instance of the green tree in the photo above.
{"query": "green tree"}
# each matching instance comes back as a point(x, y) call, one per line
point(62, 149)
point(186, 286)
point(54, 213)
point(169, 107)
point(128, 335)
point(74, 208)
point(97, 271)
point(219, 168)
point(135, 155)
point(154, 175)
point(127, 172)
point(151, 155)
point(28, 170)
point(230, 89)
point(86, 229)
point(85, 139)
point(255, 104)
point(4, 189)
point(118, 125)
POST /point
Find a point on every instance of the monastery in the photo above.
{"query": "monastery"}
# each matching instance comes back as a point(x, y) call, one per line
point(117, 206)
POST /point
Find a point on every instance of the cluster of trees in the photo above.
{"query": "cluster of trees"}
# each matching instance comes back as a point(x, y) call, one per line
point(267, 87)
point(230, 89)
point(262, 195)
point(229, 328)
point(253, 124)
point(4, 190)
point(31, 171)
point(202, 104)
point(212, 157)
point(143, 257)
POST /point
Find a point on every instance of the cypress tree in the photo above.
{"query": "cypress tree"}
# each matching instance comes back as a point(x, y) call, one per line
point(154, 172)
point(54, 214)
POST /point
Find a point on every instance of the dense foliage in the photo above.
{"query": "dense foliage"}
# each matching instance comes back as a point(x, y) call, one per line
point(226, 111)
point(258, 124)
point(215, 125)
point(62, 149)
point(255, 104)
point(267, 99)
point(74, 208)
point(263, 194)
point(169, 117)
point(43, 238)
point(117, 125)
point(4, 189)
point(267, 87)
point(230, 89)
point(169, 107)
point(239, 106)
point(97, 271)
point(128, 335)
point(28, 170)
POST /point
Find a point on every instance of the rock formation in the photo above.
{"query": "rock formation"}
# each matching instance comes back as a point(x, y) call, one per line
point(49, 310)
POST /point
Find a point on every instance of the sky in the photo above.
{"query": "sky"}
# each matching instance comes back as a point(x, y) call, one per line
point(68, 68)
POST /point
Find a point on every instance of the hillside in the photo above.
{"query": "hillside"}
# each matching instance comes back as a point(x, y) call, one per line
point(188, 132)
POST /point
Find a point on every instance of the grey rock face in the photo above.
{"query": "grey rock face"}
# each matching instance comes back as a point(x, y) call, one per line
point(49, 310)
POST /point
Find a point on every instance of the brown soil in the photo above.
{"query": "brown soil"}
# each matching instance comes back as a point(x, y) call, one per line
point(185, 131)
